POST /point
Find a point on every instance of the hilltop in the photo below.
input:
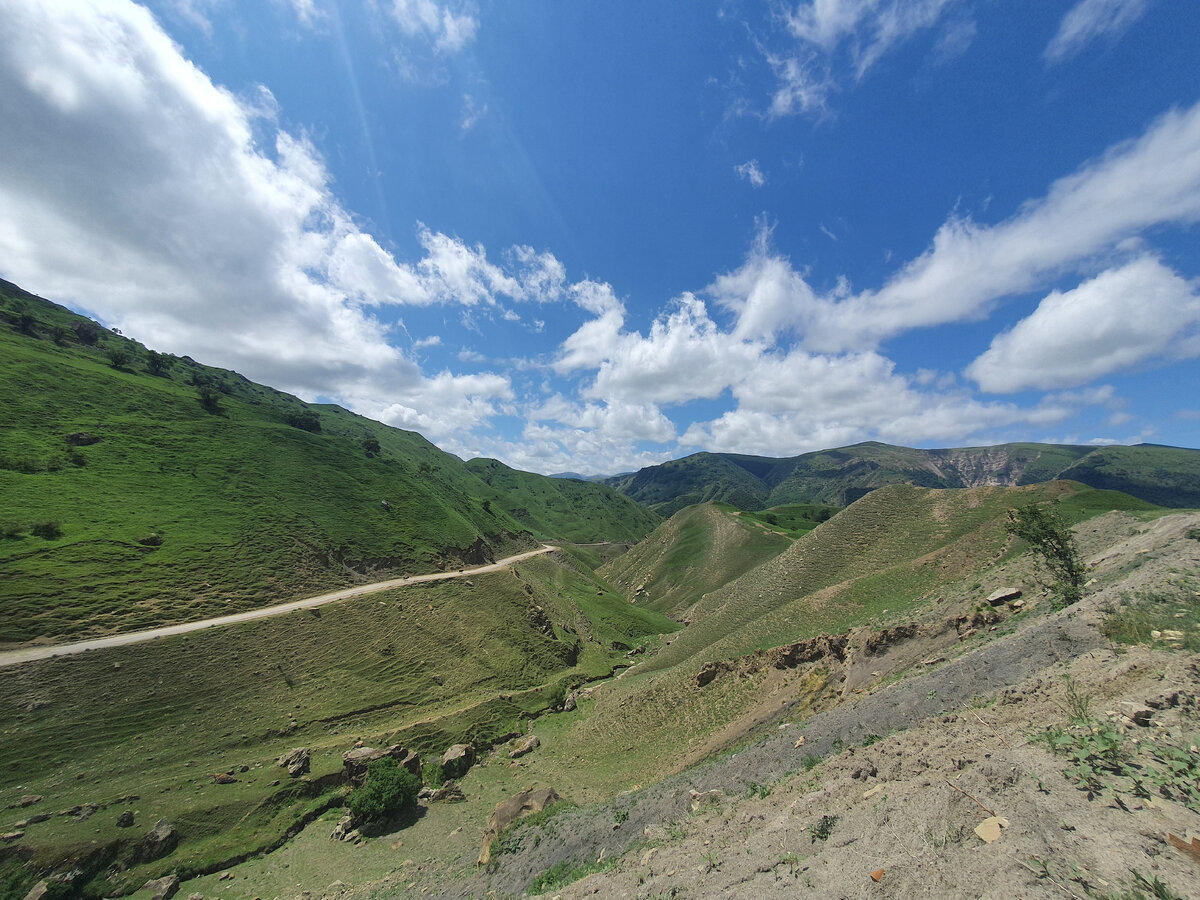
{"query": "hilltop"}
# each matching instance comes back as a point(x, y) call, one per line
point(1166, 476)
point(143, 489)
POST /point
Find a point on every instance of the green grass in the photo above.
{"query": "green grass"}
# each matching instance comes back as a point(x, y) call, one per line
point(568, 871)
point(171, 513)
point(1169, 613)
point(793, 519)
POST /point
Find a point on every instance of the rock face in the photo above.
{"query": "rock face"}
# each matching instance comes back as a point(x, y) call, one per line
point(523, 804)
point(157, 843)
point(296, 762)
point(528, 745)
point(162, 888)
point(457, 760)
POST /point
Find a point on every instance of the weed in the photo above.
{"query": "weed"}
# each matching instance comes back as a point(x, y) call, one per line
point(821, 830)
point(565, 872)
point(711, 860)
point(1193, 534)
point(871, 739)
point(621, 817)
point(932, 695)
point(49, 530)
point(1079, 704)
point(675, 831)
point(810, 761)
point(761, 791)
point(1143, 888)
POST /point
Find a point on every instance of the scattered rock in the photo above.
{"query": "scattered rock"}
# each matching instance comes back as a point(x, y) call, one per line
point(343, 827)
point(39, 817)
point(356, 761)
point(162, 888)
point(523, 804)
point(157, 843)
point(457, 760)
point(223, 778)
point(10, 836)
point(125, 819)
point(528, 745)
point(449, 792)
point(1142, 717)
point(297, 762)
point(196, 896)
point(407, 758)
point(27, 800)
point(706, 798)
point(1003, 595)
point(989, 829)
point(877, 875)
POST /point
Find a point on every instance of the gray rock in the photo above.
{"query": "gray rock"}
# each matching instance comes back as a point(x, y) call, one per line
point(407, 758)
point(157, 843)
point(457, 760)
point(1003, 595)
point(297, 762)
point(162, 888)
point(528, 745)
point(356, 761)
point(125, 819)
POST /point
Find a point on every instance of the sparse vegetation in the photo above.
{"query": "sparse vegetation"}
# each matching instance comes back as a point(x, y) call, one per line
point(1165, 618)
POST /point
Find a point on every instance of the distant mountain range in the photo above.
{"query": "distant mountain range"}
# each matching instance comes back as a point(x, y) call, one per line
point(1167, 476)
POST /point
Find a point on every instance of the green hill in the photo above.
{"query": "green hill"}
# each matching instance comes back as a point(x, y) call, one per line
point(564, 508)
point(142, 489)
point(697, 550)
point(1167, 476)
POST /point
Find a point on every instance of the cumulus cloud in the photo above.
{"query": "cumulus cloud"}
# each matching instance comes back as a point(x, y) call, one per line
point(1089, 21)
point(1120, 318)
point(135, 187)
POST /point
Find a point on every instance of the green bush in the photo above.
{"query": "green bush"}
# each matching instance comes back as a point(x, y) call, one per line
point(48, 530)
point(387, 790)
point(305, 420)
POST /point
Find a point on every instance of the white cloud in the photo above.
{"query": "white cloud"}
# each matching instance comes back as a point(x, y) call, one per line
point(1121, 318)
point(449, 29)
point(1137, 184)
point(749, 171)
point(135, 187)
point(861, 30)
point(472, 113)
point(1091, 20)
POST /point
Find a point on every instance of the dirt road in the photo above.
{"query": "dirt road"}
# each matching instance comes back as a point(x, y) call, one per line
point(16, 657)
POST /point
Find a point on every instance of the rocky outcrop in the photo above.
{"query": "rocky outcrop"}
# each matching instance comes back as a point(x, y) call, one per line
point(1003, 595)
point(297, 762)
point(457, 760)
point(355, 761)
point(157, 843)
point(523, 804)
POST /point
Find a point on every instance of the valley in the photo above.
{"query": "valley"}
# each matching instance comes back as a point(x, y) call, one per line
point(738, 675)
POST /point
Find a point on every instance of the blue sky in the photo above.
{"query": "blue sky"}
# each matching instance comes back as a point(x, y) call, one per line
point(595, 236)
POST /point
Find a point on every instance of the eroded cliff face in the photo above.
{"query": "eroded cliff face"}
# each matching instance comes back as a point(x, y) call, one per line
point(983, 466)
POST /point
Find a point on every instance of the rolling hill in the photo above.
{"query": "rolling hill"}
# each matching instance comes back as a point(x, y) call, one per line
point(143, 489)
point(1166, 476)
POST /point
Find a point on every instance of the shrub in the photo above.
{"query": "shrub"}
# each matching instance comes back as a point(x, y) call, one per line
point(387, 790)
point(371, 447)
point(210, 397)
point(87, 332)
point(11, 531)
point(305, 420)
point(118, 356)
point(1051, 539)
point(48, 530)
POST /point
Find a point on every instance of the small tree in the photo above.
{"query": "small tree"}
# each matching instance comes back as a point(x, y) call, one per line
point(388, 790)
point(305, 419)
point(118, 356)
point(210, 397)
point(158, 363)
point(1051, 539)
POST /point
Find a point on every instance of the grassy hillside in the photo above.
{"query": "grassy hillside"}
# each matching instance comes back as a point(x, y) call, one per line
point(563, 508)
point(426, 666)
point(141, 489)
point(1166, 476)
point(697, 550)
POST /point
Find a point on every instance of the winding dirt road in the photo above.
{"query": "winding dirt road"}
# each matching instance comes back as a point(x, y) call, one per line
point(16, 657)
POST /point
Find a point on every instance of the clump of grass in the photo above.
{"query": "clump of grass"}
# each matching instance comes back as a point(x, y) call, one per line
point(821, 830)
point(1155, 618)
point(565, 872)
point(1143, 888)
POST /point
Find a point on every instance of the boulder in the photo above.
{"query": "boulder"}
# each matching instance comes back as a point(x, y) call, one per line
point(528, 745)
point(457, 760)
point(296, 762)
point(449, 792)
point(518, 806)
point(27, 800)
point(1003, 595)
point(125, 819)
point(162, 888)
point(157, 842)
point(407, 758)
point(223, 778)
point(356, 761)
